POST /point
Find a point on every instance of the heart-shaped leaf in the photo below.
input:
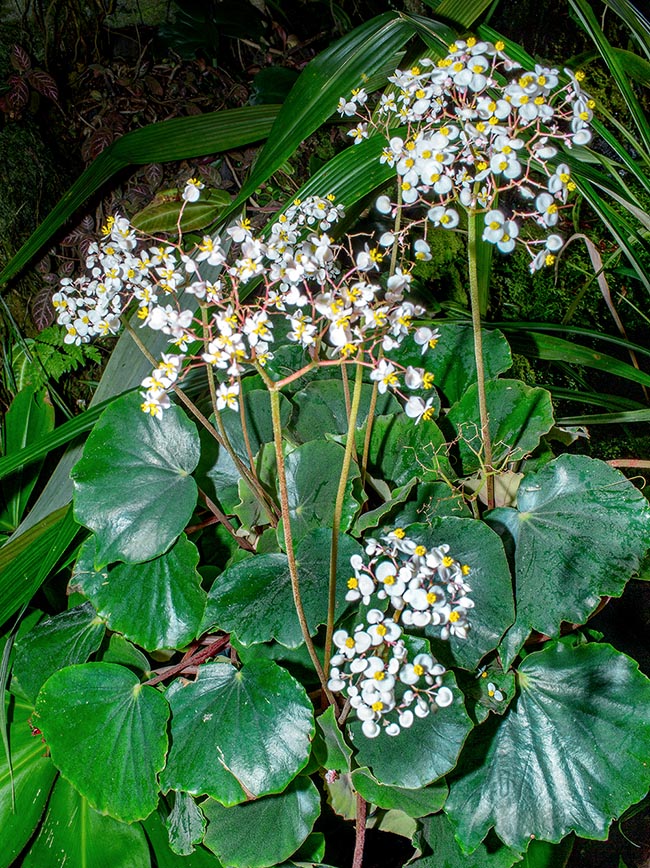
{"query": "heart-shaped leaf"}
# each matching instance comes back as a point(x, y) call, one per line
point(580, 531)
point(254, 599)
point(158, 604)
point(107, 734)
point(84, 837)
point(518, 416)
point(133, 485)
point(568, 756)
point(238, 733)
point(33, 774)
point(70, 637)
point(322, 409)
point(313, 474)
point(265, 831)
point(401, 451)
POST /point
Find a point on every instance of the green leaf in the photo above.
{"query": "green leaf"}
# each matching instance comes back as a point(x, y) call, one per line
point(259, 425)
point(254, 599)
point(436, 836)
point(107, 734)
point(414, 803)
point(238, 734)
point(518, 416)
point(158, 604)
point(541, 854)
point(330, 747)
point(165, 856)
point(75, 835)
point(401, 451)
point(452, 361)
point(70, 637)
point(569, 756)
point(314, 97)
point(321, 409)
point(313, 474)
point(473, 543)
point(120, 650)
point(25, 562)
point(185, 824)
point(33, 775)
point(162, 215)
point(265, 831)
point(421, 754)
point(28, 419)
point(174, 139)
point(132, 486)
point(580, 530)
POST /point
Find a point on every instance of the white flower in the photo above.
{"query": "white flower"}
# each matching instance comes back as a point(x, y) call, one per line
point(418, 409)
point(227, 395)
point(192, 190)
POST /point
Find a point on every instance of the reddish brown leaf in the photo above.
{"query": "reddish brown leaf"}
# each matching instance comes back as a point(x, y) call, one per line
point(42, 308)
point(44, 84)
point(20, 59)
point(17, 97)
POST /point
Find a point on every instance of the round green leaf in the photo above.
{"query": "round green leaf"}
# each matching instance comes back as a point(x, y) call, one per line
point(580, 530)
point(259, 425)
point(313, 474)
point(132, 485)
point(265, 831)
point(570, 755)
point(70, 637)
point(238, 733)
point(107, 734)
point(75, 835)
point(414, 803)
point(421, 754)
point(436, 839)
point(473, 543)
point(165, 857)
point(158, 604)
point(322, 409)
point(518, 416)
point(33, 775)
point(452, 361)
point(254, 600)
point(400, 450)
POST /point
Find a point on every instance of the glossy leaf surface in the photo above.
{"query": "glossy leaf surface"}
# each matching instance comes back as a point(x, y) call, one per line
point(420, 754)
point(132, 486)
point(75, 835)
point(414, 803)
point(157, 604)
point(265, 831)
point(436, 838)
point(70, 637)
point(580, 530)
point(313, 474)
point(107, 734)
point(568, 756)
point(254, 599)
point(518, 416)
point(473, 543)
point(321, 408)
point(238, 733)
point(33, 775)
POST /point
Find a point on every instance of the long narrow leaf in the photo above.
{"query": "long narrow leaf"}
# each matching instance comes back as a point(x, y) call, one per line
point(637, 23)
point(613, 403)
point(27, 561)
point(316, 93)
point(554, 349)
point(175, 139)
point(620, 418)
point(590, 25)
point(464, 13)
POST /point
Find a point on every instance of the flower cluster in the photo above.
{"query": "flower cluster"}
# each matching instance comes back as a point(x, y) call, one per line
point(425, 588)
point(475, 136)
point(329, 299)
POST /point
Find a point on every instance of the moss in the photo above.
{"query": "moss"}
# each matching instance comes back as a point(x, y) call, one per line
point(445, 274)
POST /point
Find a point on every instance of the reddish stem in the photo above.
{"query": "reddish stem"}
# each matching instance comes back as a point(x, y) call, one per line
point(357, 860)
point(194, 659)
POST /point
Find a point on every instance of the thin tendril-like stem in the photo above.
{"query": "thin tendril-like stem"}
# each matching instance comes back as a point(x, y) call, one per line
point(478, 353)
point(338, 510)
point(288, 542)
